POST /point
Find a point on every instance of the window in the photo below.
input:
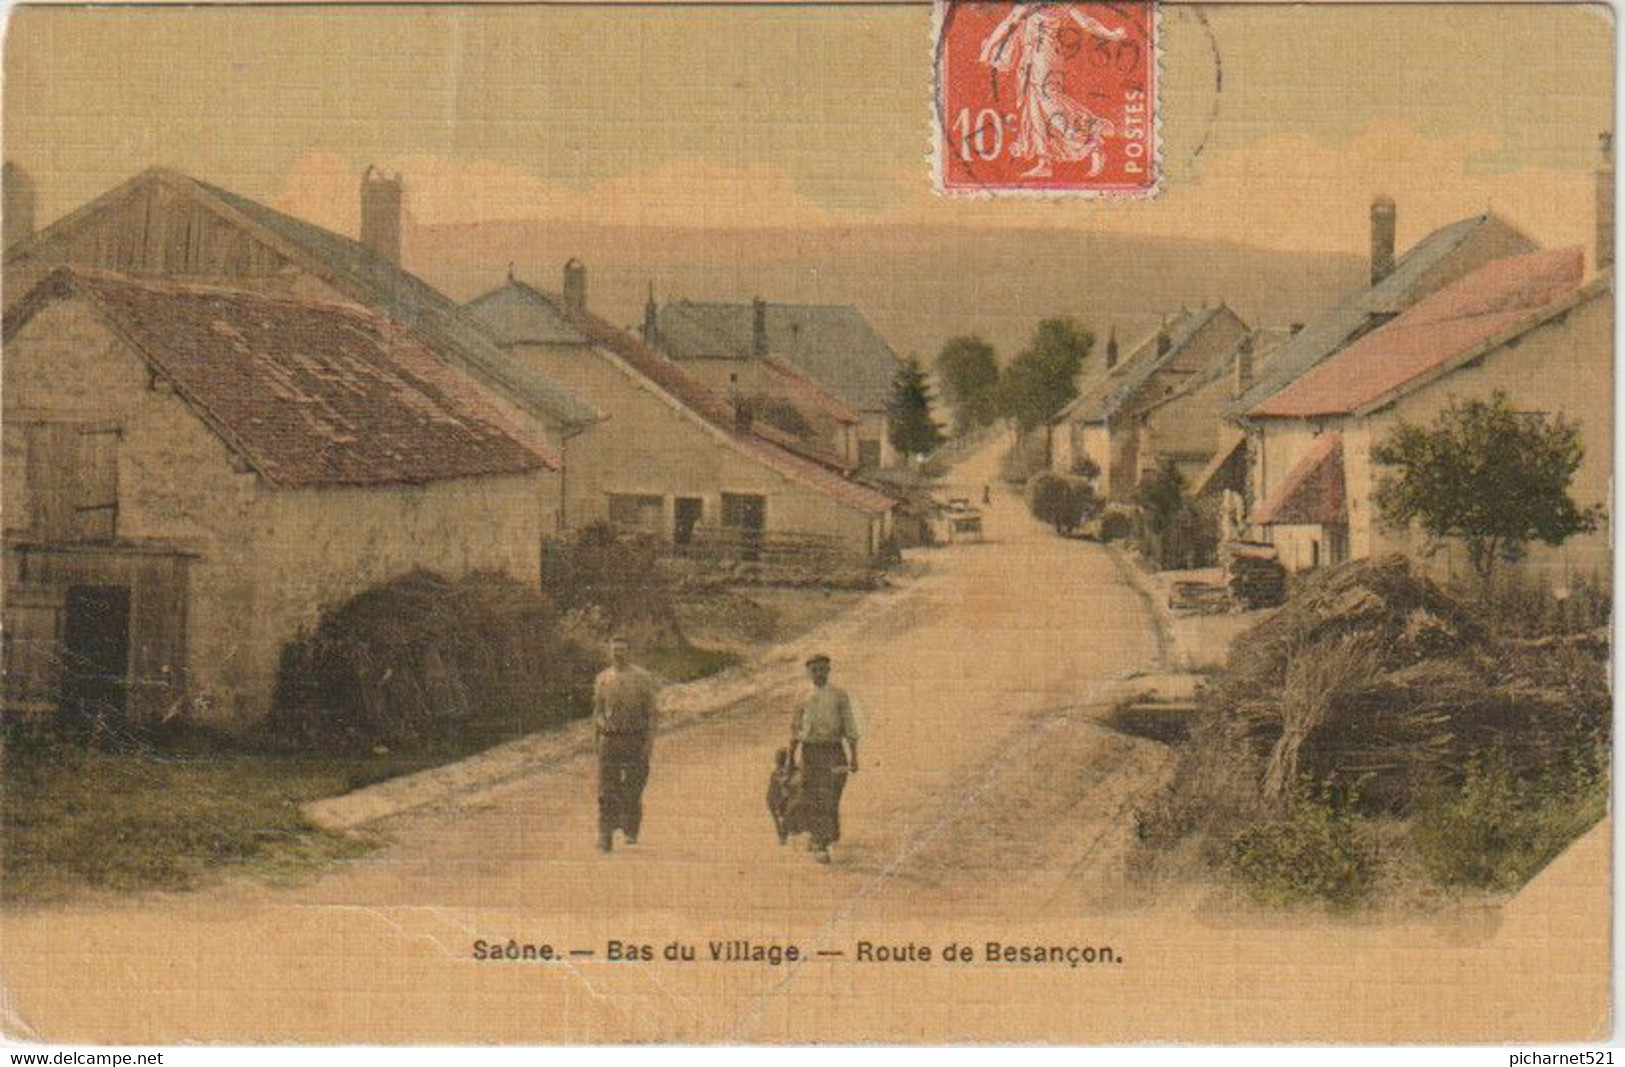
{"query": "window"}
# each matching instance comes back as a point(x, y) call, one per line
point(868, 453)
point(686, 514)
point(642, 513)
point(73, 480)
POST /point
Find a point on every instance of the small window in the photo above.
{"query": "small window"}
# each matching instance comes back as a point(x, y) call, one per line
point(868, 453)
point(73, 480)
point(637, 512)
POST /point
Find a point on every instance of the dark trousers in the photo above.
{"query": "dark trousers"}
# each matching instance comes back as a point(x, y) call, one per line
point(623, 769)
point(823, 769)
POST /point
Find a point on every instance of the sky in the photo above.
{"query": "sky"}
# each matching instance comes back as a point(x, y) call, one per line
point(1279, 122)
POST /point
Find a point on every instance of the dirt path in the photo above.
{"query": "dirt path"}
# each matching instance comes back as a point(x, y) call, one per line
point(992, 805)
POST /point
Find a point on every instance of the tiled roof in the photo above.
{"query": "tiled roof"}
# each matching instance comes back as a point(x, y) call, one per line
point(1361, 310)
point(1313, 491)
point(773, 447)
point(367, 279)
point(1474, 310)
point(831, 343)
point(809, 393)
point(309, 394)
point(1102, 394)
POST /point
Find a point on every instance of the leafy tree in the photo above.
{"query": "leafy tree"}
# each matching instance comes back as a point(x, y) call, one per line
point(908, 413)
point(1062, 502)
point(1487, 475)
point(1163, 497)
point(1043, 378)
point(969, 370)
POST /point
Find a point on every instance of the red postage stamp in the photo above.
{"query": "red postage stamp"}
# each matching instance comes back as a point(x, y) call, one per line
point(1046, 98)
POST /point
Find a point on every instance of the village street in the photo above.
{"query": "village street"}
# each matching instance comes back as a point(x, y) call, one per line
point(964, 679)
point(991, 806)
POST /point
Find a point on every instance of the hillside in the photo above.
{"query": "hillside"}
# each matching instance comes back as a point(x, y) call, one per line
point(918, 284)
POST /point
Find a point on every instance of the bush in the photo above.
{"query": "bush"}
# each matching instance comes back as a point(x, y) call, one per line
point(1062, 502)
point(1498, 829)
point(1116, 524)
point(618, 582)
point(1314, 852)
point(423, 662)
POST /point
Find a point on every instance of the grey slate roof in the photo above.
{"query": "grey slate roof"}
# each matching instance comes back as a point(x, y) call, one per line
point(419, 306)
point(1102, 394)
point(517, 313)
point(832, 343)
point(1357, 314)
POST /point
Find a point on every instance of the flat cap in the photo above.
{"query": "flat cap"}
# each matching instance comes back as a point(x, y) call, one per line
point(817, 657)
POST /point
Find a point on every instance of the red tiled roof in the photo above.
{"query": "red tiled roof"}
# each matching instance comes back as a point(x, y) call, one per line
point(310, 394)
point(1313, 492)
point(688, 391)
point(1458, 318)
point(810, 392)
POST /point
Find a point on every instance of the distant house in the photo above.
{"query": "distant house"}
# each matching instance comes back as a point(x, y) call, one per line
point(834, 345)
point(1524, 325)
point(191, 473)
point(673, 458)
point(1103, 425)
point(165, 224)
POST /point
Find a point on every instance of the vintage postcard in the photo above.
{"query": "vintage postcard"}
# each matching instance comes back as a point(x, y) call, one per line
point(720, 523)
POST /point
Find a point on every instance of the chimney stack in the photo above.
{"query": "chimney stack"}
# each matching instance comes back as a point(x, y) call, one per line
point(651, 319)
point(1605, 204)
point(743, 415)
point(575, 285)
point(1384, 220)
point(758, 327)
point(381, 214)
point(1243, 367)
point(1111, 347)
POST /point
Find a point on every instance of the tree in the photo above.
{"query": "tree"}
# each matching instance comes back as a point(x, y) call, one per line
point(909, 423)
point(1043, 378)
point(1163, 497)
point(969, 370)
point(1062, 502)
point(1487, 475)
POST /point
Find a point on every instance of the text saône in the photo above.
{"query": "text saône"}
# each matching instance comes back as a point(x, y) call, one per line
point(741, 950)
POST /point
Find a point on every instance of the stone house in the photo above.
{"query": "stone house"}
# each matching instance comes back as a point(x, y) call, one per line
point(164, 224)
point(673, 458)
point(191, 473)
point(1104, 423)
point(1524, 325)
point(832, 344)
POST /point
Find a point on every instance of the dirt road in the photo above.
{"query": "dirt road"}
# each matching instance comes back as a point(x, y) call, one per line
point(990, 806)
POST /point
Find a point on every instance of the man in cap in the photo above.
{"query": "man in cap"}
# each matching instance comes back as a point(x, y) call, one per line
point(623, 711)
point(824, 740)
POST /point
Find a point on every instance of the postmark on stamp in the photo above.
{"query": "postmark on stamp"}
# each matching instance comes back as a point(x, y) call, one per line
point(1045, 99)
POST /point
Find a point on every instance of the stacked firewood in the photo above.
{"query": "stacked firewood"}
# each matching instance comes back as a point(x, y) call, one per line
point(1253, 575)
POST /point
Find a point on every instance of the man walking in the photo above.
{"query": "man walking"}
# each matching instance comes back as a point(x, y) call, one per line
point(824, 740)
point(623, 711)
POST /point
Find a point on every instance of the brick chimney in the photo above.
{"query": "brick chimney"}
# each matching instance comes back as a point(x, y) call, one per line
point(758, 327)
point(1111, 347)
point(1384, 220)
point(1605, 203)
point(17, 211)
point(381, 214)
point(575, 284)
